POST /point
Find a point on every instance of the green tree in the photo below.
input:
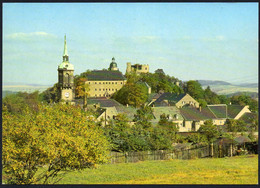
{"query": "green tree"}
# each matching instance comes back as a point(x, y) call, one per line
point(197, 138)
point(51, 94)
point(38, 147)
point(82, 90)
point(132, 93)
point(211, 97)
point(195, 90)
point(17, 102)
point(202, 102)
point(224, 99)
point(236, 125)
point(143, 116)
point(210, 131)
point(245, 100)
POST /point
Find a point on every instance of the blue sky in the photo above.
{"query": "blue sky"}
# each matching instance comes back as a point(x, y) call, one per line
point(213, 41)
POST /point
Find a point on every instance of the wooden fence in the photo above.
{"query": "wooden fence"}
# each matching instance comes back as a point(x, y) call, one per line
point(131, 157)
point(201, 152)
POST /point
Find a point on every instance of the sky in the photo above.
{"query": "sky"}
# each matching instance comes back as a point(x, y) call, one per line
point(190, 41)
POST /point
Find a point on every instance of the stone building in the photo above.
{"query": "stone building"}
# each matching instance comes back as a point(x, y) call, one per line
point(137, 68)
point(66, 78)
point(104, 83)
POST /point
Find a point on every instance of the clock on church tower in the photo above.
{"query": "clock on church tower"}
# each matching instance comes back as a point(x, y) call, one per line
point(66, 78)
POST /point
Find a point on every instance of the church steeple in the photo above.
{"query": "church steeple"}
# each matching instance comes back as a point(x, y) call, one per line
point(65, 53)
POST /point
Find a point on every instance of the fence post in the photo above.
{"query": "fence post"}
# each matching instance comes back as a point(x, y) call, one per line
point(126, 157)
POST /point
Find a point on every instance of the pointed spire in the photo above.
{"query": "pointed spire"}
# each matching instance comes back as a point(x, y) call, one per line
point(65, 53)
point(65, 47)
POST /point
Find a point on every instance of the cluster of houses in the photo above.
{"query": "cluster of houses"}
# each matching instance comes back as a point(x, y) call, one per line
point(181, 109)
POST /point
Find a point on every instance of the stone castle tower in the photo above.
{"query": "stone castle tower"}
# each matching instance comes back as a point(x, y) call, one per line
point(137, 68)
point(66, 78)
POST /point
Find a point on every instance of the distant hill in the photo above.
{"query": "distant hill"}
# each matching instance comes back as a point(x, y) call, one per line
point(212, 82)
point(225, 88)
point(251, 94)
point(250, 85)
point(29, 88)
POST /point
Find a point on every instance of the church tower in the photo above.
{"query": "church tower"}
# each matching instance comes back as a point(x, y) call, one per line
point(66, 78)
point(113, 65)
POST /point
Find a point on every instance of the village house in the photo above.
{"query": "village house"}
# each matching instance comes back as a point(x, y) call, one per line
point(173, 99)
point(172, 113)
point(108, 109)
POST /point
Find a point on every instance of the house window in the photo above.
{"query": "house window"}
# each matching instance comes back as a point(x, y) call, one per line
point(95, 89)
point(103, 89)
point(112, 82)
point(99, 89)
point(108, 82)
point(95, 95)
point(106, 89)
point(95, 82)
point(89, 83)
point(109, 89)
point(116, 83)
point(121, 82)
point(112, 89)
point(103, 82)
point(116, 89)
point(99, 82)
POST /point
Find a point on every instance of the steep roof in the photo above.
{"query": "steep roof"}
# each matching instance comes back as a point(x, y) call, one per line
point(193, 114)
point(219, 111)
point(233, 110)
point(171, 110)
point(101, 75)
point(104, 102)
point(171, 97)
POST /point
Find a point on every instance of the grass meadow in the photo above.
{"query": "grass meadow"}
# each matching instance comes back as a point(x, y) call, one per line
point(235, 170)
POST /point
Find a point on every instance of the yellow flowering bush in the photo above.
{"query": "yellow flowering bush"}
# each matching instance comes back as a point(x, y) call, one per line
point(38, 146)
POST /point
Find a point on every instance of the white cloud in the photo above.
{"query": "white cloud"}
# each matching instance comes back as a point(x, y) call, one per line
point(28, 36)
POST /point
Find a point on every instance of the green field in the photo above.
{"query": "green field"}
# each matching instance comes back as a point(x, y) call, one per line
point(235, 170)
